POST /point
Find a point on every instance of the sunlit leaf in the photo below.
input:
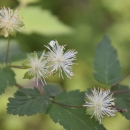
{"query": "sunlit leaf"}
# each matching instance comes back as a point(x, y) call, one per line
point(42, 22)
point(7, 78)
point(28, 102)
point(69, 117)
point(25, 2)
point(106, 65)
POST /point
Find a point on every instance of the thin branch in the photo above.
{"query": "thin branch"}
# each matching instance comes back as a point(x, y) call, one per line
point(122, 110)
point(7, 51)
point(15, 66)
point(121, 91)
point(65, 105)
point(18, 86)
point(121, 79)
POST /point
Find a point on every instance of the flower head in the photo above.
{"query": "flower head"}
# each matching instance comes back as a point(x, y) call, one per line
point(100, 103)
point(9, 22)
point(37, 68)
point(60, 61)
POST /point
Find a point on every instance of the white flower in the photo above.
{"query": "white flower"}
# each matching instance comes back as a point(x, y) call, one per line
point(100, 103)
point(9, 22)
point(36, 67)
point(60, 61)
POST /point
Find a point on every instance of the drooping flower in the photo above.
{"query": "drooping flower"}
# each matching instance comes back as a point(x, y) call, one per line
point(100, 103)
point(60, 60)
point(37, 68)
point(10, 22)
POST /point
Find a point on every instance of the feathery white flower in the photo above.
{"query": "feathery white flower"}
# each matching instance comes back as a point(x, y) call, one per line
point(37, 67)
point(60, 61)
point(9, 22)
point(100, 103)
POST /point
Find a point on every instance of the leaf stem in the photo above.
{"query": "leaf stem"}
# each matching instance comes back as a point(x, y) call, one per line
point(7, 51)
point(65, 105)
point(18, 67)
point(121, 79)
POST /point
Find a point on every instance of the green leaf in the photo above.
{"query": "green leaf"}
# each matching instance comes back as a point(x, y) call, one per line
point(23, 56)
point(122, 100)
point(69, 117)
point(18, 57)
point(28, 102)
point(27, 76)
point(53, 89)
point(106, 65)
point(7, 78)
point(43, 22)
point(25, 2)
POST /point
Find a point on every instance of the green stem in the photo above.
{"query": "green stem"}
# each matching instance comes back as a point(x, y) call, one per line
point(16, 66)
point(121, 79)
point(7, 51)
point(66, 105)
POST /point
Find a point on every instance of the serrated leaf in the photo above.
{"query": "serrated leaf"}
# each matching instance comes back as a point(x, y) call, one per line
point(69, 117)
point(122, 100)
point(28, 102)
point(53, 89)
point(7, 78)
point(43, 22)
point(106, 65)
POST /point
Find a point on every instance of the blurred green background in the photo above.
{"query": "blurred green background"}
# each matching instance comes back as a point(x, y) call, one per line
point(80, 24)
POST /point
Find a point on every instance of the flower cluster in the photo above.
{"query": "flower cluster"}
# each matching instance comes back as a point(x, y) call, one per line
point(55, 60)
point(59, 60)
point(100, 103)
point(9, 22)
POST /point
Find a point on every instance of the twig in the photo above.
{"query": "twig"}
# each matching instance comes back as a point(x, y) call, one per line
point(121, 110)
point(15, 66)
point(121, 91)
point(7, 51)
point(18, 86)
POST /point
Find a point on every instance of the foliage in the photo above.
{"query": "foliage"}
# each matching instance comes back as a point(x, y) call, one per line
point(39, 24)
point(122, 100)
point(28, 102)
point(106, 65)
point(7, 78)
point(72, 118)
point(65, 107)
